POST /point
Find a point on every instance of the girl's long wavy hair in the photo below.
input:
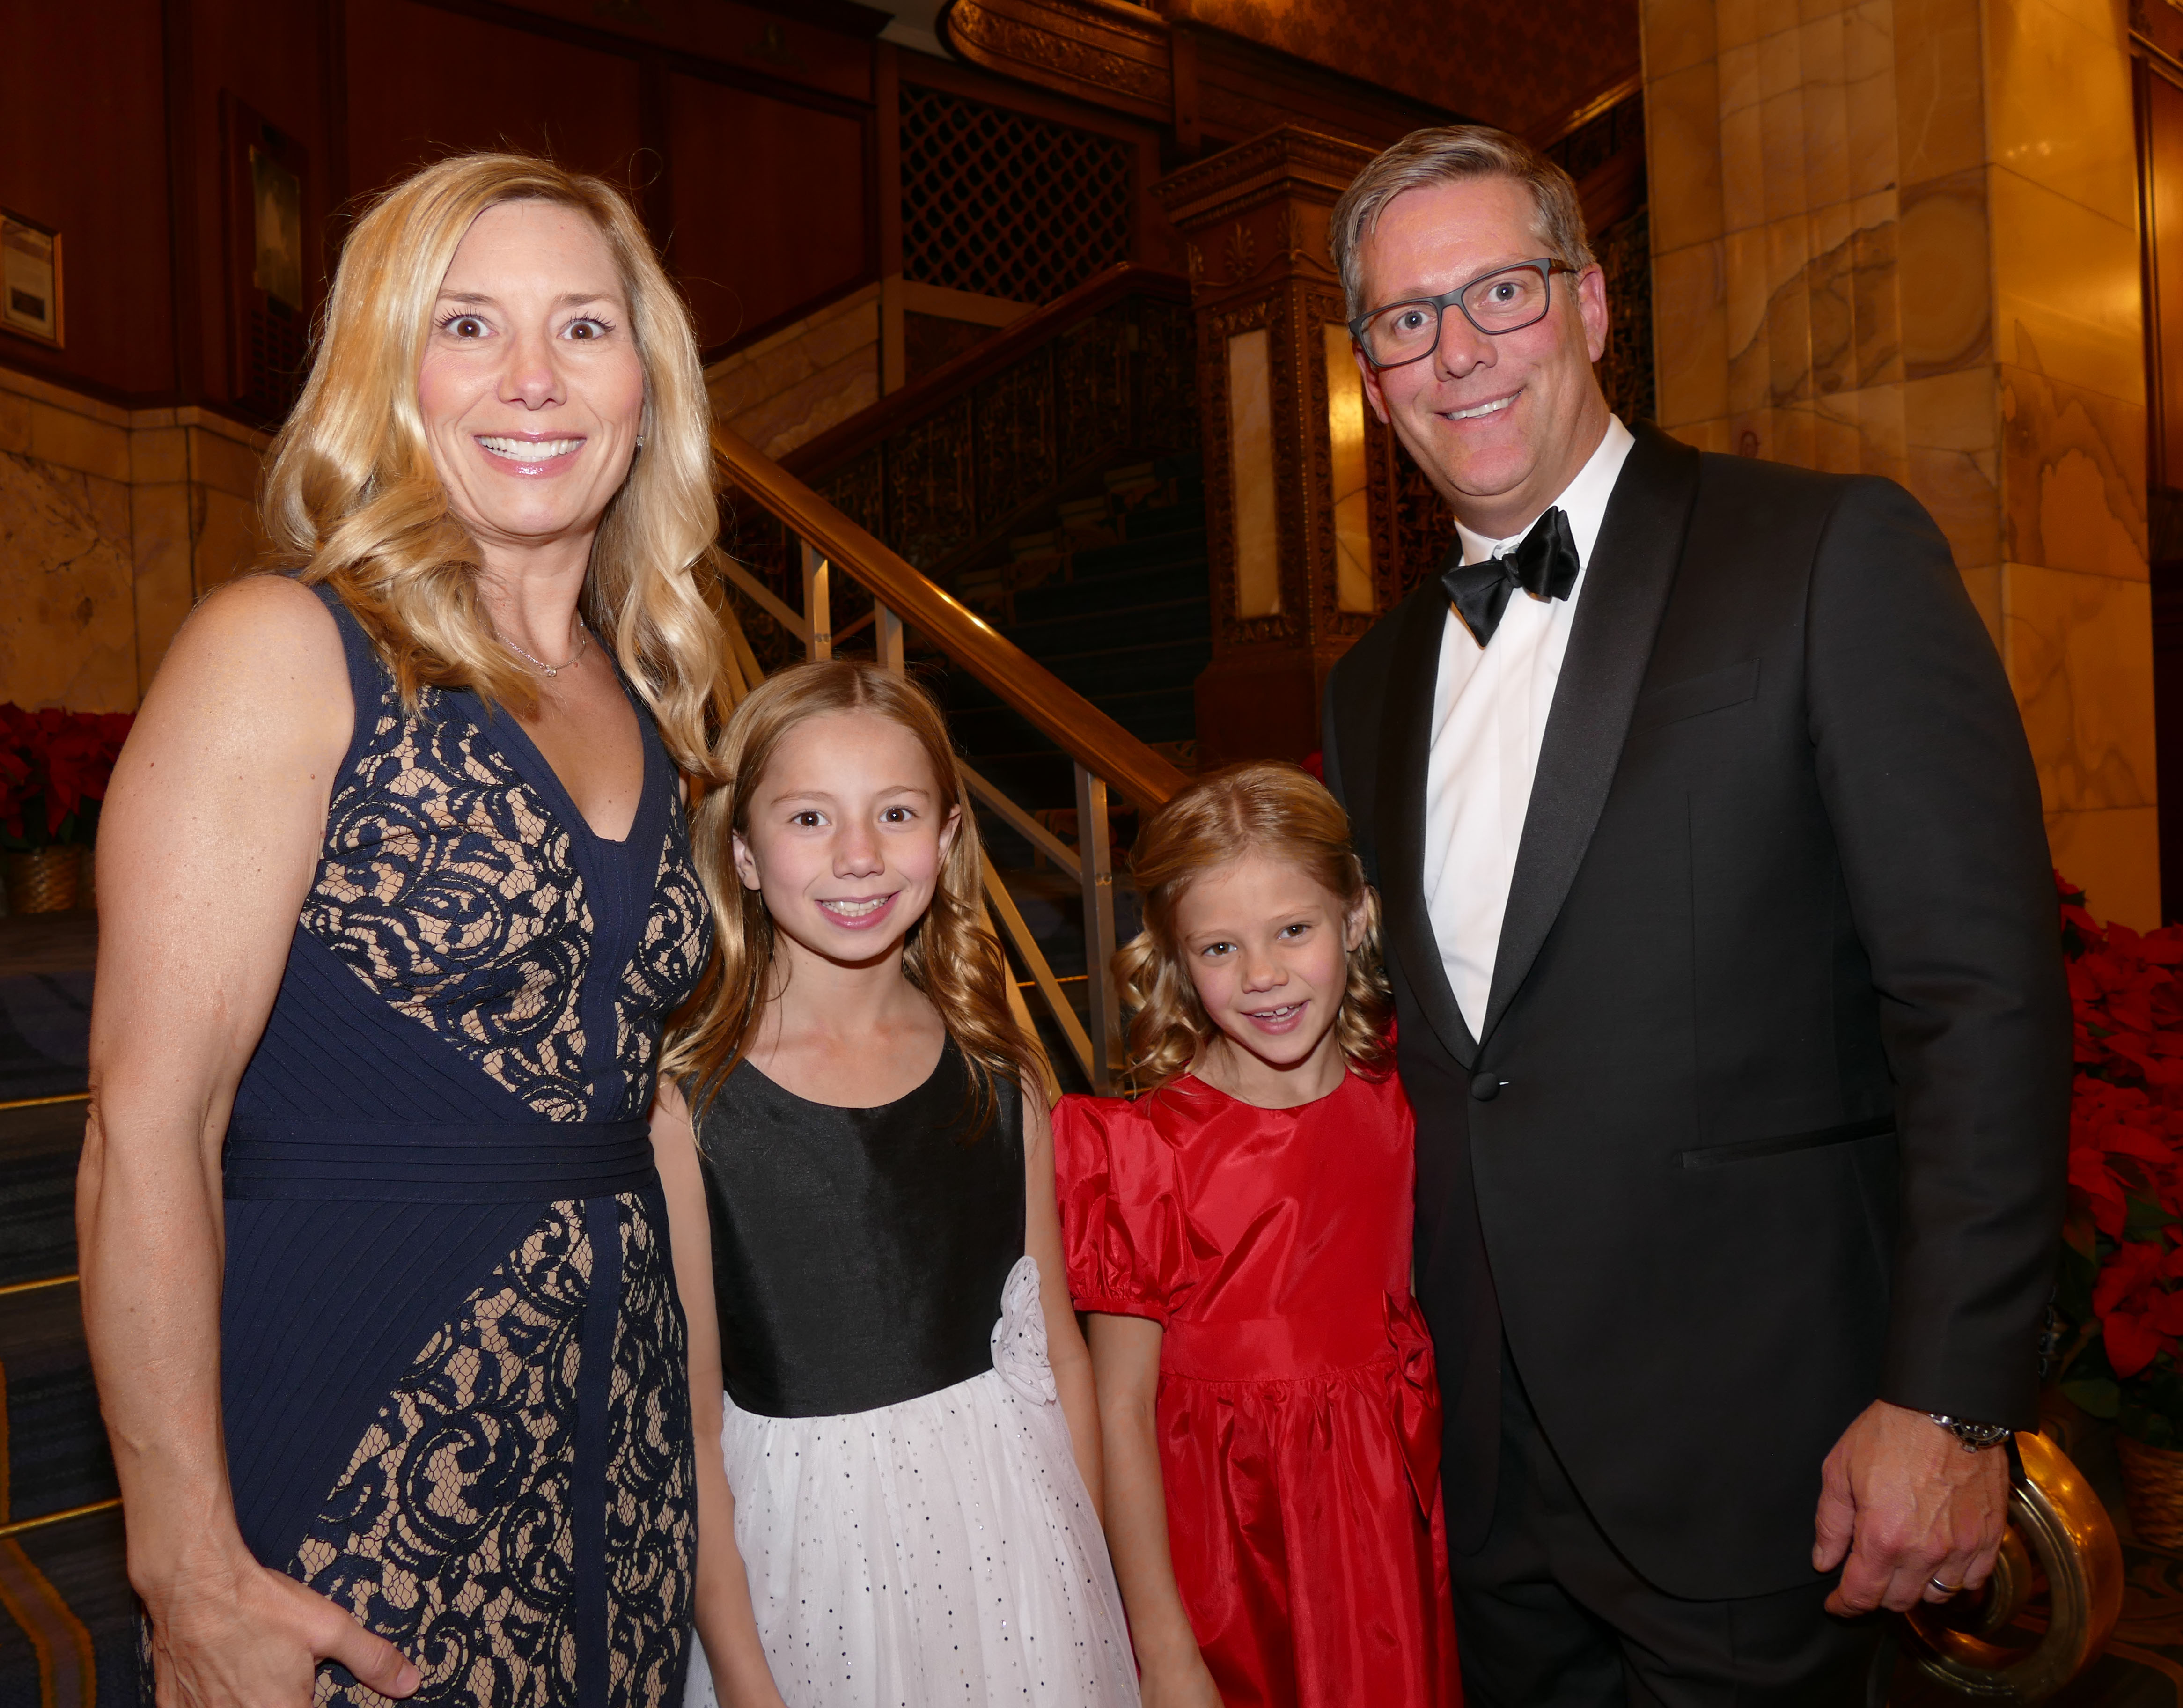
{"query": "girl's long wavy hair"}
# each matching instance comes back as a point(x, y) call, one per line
point(1274, 809)
point(949, 955)
point(352, 498)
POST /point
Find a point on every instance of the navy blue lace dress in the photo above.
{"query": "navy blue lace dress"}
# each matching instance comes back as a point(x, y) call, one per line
point(453, 1357)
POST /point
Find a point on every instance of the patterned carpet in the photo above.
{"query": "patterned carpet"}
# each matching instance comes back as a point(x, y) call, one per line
point(67, 1637)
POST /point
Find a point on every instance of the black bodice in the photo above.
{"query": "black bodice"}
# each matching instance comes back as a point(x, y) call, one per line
point(858, 1254)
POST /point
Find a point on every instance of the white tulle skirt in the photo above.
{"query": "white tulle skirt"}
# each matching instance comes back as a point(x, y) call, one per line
point(939, 1551)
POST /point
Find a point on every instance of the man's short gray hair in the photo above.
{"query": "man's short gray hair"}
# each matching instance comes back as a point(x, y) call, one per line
point(1447, 154)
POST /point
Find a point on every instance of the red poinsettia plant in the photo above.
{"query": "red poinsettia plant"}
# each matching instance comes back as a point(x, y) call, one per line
point(54, 767)
point(2120, 1298)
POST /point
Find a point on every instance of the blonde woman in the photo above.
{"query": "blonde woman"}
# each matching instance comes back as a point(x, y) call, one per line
point(397, 895)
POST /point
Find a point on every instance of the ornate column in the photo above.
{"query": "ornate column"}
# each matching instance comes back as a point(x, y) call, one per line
point(1296, 471)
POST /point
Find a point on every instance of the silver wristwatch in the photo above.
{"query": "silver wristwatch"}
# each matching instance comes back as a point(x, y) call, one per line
point(1973, 1436)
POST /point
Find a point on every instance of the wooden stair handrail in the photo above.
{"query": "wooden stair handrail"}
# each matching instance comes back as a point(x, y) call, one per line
point(1055, 709)
point(819, 457)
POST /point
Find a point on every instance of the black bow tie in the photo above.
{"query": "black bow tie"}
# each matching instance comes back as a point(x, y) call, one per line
point(1545, 565)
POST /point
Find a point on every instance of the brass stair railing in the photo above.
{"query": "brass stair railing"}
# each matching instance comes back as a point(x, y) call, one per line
point(1104, 754)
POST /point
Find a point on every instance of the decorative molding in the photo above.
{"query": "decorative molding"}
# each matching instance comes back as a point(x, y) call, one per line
point(1606, 101)
point(1237, 252)
point(1288, 160)
point(1102, 51)
point(1122, 57)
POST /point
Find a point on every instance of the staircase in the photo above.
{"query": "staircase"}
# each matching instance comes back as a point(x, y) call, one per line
point(1023, 529)
point(1115, 602)
point(66, 1618)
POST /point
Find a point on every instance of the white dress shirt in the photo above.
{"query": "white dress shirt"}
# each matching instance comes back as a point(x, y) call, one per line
point(1489, 715)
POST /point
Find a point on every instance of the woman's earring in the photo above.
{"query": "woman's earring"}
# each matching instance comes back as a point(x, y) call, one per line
point(640, 441)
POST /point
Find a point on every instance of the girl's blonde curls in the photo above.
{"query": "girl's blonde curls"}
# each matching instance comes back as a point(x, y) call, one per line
point(1278, 811)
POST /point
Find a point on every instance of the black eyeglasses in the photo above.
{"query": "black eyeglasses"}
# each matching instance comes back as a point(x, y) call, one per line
point(1505, 300)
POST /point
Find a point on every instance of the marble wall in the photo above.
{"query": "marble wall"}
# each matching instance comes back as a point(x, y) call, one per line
point(794, 384)
point(1899, 236)
point(112, 523)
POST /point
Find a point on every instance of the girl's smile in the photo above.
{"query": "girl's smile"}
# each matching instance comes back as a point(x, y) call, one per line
point(860, 913)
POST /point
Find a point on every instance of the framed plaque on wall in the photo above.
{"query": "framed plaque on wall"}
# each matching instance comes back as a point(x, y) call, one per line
point(31, 279)
point(269, 278)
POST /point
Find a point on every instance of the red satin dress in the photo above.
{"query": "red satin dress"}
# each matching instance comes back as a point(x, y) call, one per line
point(1299, 1418)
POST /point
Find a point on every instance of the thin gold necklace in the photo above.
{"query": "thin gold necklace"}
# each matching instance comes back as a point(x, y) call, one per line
point(583, 640)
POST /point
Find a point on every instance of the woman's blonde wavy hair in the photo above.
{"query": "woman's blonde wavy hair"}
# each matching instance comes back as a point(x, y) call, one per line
point(352, 498)
point(1278, 811)
point(950, 955)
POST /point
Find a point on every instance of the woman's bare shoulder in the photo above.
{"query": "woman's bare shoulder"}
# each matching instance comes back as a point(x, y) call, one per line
point(260, 657)
point(259, 613)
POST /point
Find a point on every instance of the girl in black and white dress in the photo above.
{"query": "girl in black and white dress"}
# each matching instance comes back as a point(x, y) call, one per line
point(904, 1509)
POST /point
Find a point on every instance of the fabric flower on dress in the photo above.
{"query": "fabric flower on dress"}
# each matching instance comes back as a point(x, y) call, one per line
point(1019, 1337)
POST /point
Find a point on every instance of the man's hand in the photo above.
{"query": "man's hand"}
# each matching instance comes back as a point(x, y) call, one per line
point(1903, 1500)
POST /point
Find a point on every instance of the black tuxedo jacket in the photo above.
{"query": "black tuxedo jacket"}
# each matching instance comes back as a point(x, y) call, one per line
point(1769, 1113)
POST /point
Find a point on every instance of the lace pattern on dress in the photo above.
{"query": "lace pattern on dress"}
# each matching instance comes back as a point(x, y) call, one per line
point(651, 1478)
point(678, 935)
point(452, 892)
point(451, 1534)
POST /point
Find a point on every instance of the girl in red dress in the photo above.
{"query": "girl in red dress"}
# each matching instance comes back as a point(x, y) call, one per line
point(1241, 1234)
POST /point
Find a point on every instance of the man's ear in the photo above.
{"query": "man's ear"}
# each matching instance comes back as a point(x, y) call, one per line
point(746, 867)
point(1592, 307)
point(1372, 392)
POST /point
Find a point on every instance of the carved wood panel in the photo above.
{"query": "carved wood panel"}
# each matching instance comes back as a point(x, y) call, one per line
point(1625, 371)
point(1424, 526)
point(1323, 309)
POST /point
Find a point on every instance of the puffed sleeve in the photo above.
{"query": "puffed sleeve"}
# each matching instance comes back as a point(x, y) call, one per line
point(1120, 1221)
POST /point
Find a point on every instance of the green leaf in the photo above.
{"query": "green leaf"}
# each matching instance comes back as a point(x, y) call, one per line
point(2103, 1398)
point(2147, 1219)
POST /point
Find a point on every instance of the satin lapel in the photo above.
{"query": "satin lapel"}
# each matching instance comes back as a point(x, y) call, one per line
point(1405, 744)
point(1618, 614)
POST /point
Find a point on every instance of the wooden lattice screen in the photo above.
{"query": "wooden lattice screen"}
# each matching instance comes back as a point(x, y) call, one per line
point(1007, 205)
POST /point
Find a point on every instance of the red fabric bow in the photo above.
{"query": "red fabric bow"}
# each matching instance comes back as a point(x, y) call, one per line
point(1413, 1389)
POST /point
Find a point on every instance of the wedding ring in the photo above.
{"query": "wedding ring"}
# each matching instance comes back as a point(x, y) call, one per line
point(1946, 1589)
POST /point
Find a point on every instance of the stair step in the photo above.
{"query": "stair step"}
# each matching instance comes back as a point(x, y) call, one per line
point(1175, 620)
point(1174, 545)
point(1157, 522)
point(1154, 583)
point(57, 1451)
point(994, 737)
point(1102, 676)
point(38, 1150)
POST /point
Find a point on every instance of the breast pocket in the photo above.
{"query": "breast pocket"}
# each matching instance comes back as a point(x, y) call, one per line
point(1695, 696)
point(1757, 1150)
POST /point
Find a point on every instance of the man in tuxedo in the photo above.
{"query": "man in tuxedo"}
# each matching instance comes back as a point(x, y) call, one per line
point(1726, 964)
